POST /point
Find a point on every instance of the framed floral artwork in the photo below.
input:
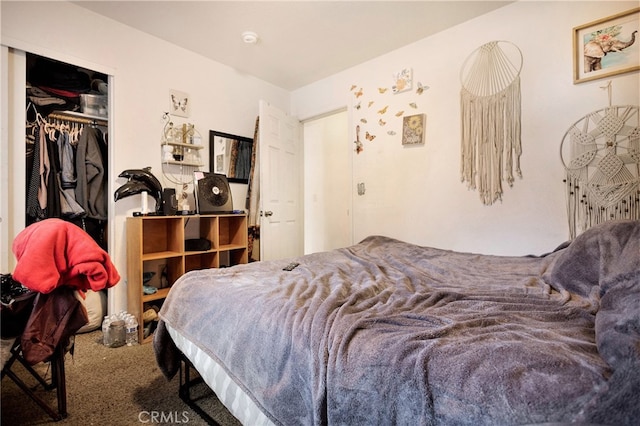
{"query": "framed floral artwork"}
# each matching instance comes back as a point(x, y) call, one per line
point(413, 127)
point(606, 47)
point(402, 80)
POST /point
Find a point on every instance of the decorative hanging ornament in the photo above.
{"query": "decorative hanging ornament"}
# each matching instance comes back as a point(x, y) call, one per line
point(490, 109)
point(601, 156)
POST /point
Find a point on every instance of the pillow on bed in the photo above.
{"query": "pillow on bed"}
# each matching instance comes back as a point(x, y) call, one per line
point(597, 257)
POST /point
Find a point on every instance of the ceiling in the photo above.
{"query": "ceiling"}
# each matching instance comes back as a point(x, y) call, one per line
point(299, 42)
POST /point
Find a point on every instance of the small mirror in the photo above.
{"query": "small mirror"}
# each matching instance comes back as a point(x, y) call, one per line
point(230, 155)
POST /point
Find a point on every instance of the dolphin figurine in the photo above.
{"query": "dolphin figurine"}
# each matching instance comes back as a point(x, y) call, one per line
point(132, 187)
point(144, 175)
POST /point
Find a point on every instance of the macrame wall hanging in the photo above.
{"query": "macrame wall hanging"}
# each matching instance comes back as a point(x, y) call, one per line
point(490, 107)
point(601, 156)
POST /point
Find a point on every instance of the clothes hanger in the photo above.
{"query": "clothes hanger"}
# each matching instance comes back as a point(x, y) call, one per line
point(50, 129)
point(30, 105)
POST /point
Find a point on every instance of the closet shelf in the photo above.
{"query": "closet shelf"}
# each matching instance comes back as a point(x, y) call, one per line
point(79, 117)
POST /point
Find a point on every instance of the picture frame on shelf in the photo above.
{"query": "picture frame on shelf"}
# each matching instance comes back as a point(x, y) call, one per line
point(606, 47)
point(230, 155)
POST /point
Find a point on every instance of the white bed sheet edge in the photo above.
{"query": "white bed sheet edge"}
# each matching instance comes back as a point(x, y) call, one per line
point(229, 393)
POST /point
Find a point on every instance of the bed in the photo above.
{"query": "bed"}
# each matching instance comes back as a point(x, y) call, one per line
point(387, 332)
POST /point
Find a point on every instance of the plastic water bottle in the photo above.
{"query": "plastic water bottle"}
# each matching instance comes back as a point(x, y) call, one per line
point(132, 330)
point(105, 330)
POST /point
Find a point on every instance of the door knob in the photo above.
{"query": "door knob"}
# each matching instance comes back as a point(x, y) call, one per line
point(268, 213)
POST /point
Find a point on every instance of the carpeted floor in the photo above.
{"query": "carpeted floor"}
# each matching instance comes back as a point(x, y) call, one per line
point(111, 387)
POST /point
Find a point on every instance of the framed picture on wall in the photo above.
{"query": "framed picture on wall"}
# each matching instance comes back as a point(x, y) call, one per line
point(606, 47)
point(413, 127)
point(230, 155)
point(179, 104)
point(402, 80)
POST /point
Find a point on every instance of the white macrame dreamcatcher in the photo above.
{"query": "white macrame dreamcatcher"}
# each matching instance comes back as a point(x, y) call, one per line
point(601, 156)
point(490, 109)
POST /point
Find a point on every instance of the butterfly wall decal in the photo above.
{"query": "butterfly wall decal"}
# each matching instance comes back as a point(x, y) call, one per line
point(421, 88)
point(179, 104)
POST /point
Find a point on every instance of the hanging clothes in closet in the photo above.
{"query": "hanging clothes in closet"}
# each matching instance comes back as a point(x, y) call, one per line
point(67, 173)
point(90, 167)
point(42, 187)
point(70, 208)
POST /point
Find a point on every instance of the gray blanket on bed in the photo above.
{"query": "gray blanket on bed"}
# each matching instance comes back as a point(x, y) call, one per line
point(385, 332)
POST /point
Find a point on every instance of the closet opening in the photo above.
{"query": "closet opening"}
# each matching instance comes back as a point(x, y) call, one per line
point(66, 145)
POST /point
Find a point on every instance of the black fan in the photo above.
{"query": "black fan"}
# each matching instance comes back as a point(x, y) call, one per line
point(213, 194)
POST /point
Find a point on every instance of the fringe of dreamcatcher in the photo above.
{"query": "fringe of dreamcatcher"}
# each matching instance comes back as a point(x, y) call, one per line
point(583, 213)
point(491, 145)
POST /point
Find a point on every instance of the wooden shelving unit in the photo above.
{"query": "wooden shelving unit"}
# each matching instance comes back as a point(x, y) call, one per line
point(156, 244)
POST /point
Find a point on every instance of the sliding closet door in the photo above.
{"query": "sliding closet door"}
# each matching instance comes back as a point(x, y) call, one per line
point(4, 160)
point(12, 196)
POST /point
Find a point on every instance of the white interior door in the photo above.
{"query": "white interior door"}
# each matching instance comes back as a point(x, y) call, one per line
point(280, 150)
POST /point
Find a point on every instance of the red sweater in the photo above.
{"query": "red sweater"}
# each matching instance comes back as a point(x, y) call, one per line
point(54, 253)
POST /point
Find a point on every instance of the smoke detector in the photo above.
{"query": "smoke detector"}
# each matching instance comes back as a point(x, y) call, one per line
point(250, 37)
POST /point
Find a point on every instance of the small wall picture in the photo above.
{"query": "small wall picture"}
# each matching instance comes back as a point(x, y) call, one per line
point(179, 104)
point(606, 47)
point(413, 127)
point(402, 80)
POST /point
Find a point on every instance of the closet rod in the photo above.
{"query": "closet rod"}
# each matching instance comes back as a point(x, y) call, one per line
point(70, 116)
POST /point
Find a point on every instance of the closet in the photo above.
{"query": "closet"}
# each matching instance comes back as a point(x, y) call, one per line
point(66, 145)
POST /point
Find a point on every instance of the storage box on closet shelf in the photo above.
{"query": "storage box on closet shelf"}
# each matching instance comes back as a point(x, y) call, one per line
point(181, 145)
point(97, 102)
point(94, 105)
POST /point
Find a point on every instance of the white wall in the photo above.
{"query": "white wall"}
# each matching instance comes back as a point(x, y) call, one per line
point(144, 69)
point(415, 193)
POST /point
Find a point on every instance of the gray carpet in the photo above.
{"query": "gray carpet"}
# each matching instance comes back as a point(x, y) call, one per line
point(121, 386)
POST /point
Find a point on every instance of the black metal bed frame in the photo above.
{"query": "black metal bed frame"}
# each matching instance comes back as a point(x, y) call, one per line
point(184, 391)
